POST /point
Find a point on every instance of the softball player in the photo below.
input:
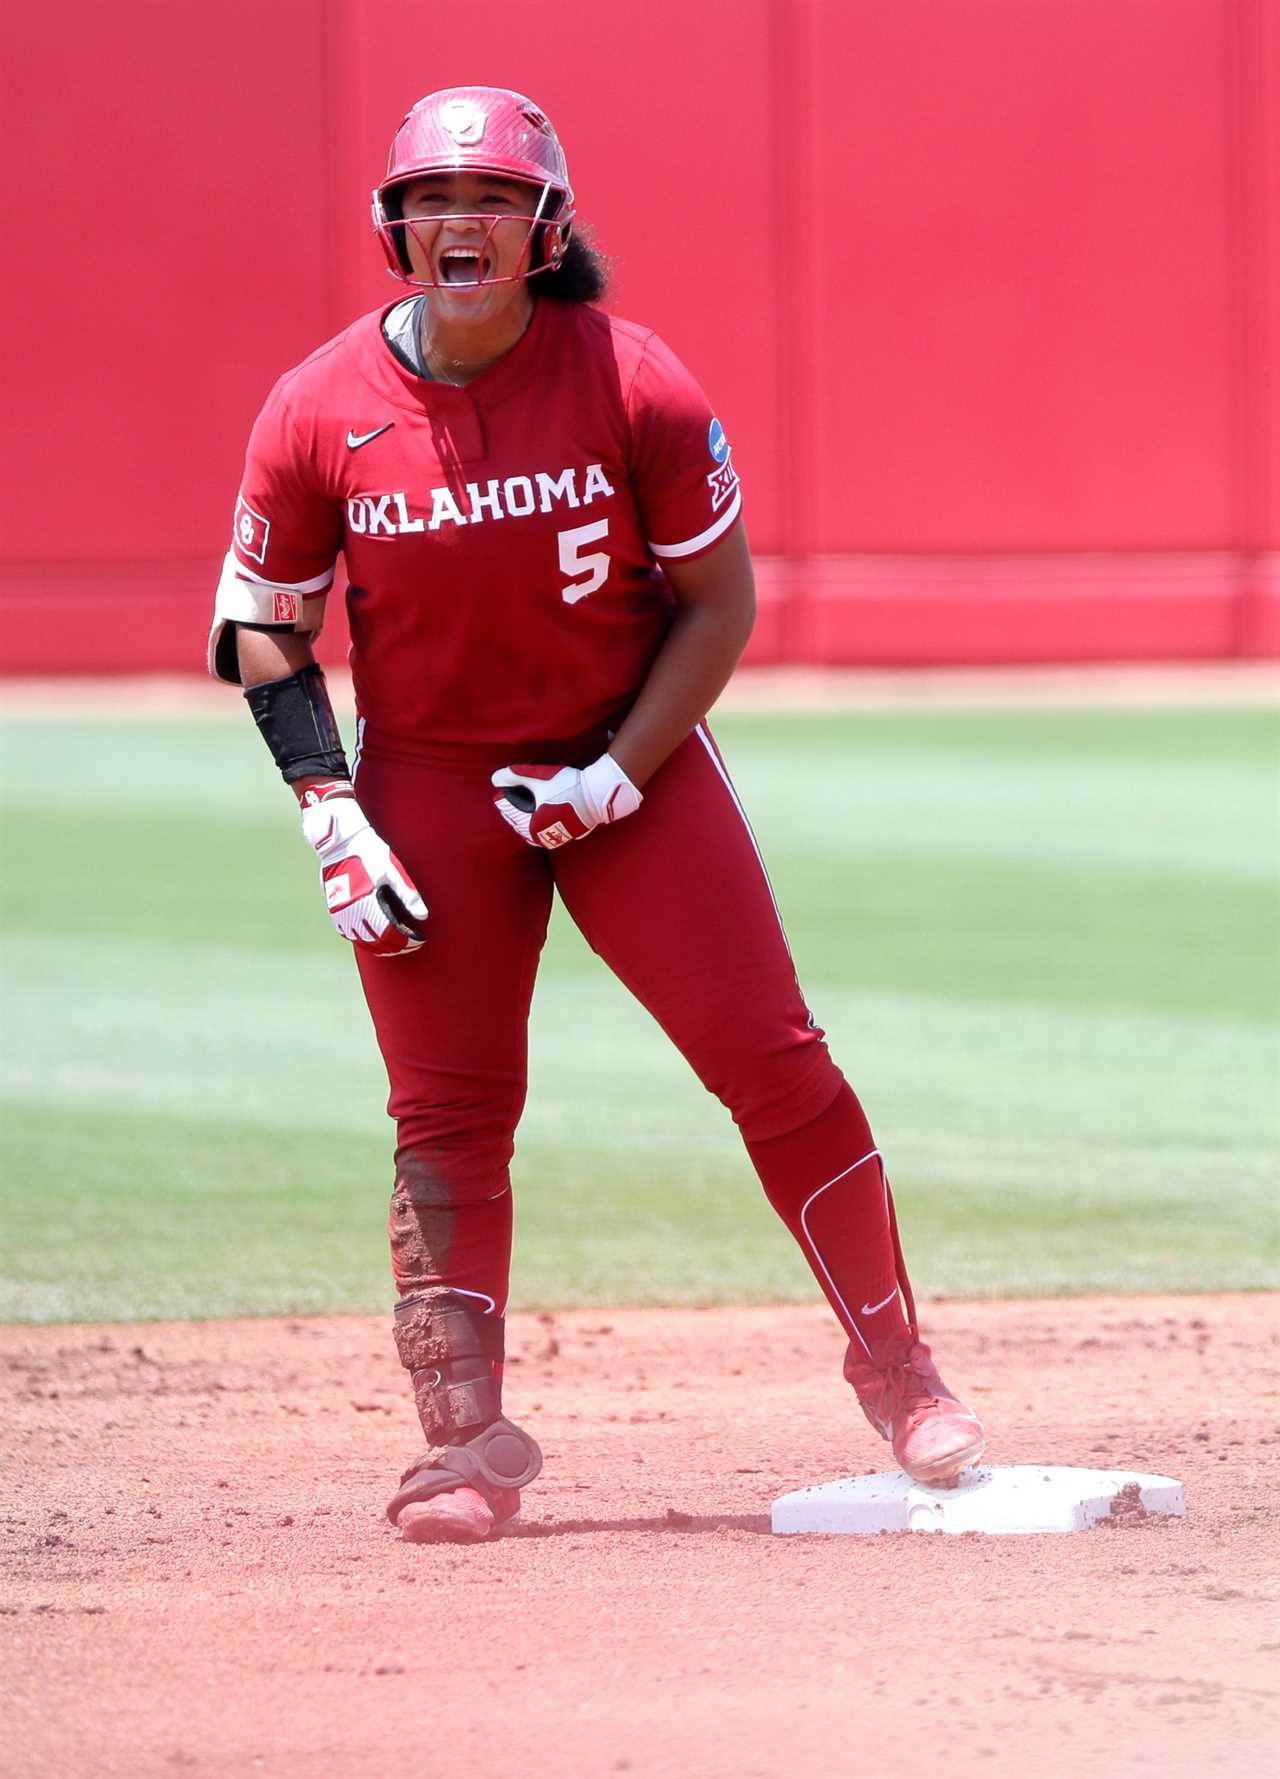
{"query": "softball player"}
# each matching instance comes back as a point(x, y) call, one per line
point(549, 586)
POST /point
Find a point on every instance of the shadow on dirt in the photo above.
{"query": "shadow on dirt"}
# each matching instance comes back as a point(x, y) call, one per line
point(673, 1521)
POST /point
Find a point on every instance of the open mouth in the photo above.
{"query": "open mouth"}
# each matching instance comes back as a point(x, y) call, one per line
point(463, 265)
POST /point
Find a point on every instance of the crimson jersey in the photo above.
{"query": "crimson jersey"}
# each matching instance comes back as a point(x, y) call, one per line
point(501, 540)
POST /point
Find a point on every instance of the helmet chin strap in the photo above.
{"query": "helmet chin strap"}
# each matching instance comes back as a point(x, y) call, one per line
point(562, 230)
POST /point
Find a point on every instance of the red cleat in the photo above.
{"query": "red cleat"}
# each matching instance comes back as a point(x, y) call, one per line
point(462, 1516)
point(934, 1436)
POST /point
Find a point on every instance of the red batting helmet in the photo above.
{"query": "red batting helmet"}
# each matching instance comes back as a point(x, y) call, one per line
point(481, 129)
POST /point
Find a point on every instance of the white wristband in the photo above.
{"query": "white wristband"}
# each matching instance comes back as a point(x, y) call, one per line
point(331, 826)
point(607, 790)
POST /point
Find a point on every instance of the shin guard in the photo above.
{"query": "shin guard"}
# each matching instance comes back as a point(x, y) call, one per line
point(453, 1353)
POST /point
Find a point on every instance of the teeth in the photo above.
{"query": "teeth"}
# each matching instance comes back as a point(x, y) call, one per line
point(467, 259)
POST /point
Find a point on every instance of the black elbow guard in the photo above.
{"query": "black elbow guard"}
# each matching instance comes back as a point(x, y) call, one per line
point(298, 725)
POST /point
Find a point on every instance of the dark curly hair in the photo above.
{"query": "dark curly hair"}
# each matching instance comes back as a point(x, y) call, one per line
point(582, 275)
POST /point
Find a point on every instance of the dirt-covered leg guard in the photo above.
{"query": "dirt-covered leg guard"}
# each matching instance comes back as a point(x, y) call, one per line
point(450, 1348)
point(501, 1458)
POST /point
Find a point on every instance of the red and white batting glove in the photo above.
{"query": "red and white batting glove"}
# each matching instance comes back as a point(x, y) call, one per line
point(372, 899)
point(551, 805)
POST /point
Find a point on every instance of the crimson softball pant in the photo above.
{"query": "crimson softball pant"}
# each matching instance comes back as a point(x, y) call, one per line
point(676, 901)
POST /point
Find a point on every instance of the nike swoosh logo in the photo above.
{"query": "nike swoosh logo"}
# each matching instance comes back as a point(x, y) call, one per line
point(356, 439)
point(872, 1309)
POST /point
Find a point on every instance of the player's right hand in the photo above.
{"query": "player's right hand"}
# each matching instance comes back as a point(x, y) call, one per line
point(372, 900)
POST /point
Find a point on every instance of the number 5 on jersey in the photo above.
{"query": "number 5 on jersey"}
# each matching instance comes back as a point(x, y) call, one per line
point(594, 565)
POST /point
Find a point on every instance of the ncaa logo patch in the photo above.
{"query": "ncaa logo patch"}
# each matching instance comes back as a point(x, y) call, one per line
point(250, 531)
point(463, 120)
point(723, 480)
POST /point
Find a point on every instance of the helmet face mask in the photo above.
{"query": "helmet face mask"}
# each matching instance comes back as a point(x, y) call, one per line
point(543, 229)
point(476, 130)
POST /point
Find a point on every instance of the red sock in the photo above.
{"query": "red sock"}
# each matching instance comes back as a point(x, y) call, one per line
point(827, 1183)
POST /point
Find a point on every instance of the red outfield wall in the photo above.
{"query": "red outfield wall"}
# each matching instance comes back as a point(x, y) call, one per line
point(987, 293)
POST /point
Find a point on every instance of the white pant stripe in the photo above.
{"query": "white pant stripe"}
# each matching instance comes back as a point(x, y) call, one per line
point(813, 1246)
point(705, 739)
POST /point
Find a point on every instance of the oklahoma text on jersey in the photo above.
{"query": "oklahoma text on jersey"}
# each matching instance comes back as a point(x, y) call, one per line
point(385, 515)
point(504, 541)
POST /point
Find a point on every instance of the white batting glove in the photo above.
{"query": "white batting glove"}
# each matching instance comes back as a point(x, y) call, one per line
point(551, 805)
point(372, 900)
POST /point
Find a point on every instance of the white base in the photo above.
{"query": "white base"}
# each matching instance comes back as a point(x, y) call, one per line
point(1012, 1498)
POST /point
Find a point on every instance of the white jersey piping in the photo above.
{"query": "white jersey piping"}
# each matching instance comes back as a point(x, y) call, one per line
point(316, 584)
point(706, 537)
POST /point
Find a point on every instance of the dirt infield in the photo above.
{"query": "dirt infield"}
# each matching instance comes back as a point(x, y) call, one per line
point(197, 1577)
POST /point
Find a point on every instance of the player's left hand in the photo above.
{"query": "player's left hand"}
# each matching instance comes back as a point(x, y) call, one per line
point(551, 805)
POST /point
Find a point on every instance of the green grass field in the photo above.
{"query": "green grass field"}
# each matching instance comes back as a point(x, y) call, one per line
point(1045, 946)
